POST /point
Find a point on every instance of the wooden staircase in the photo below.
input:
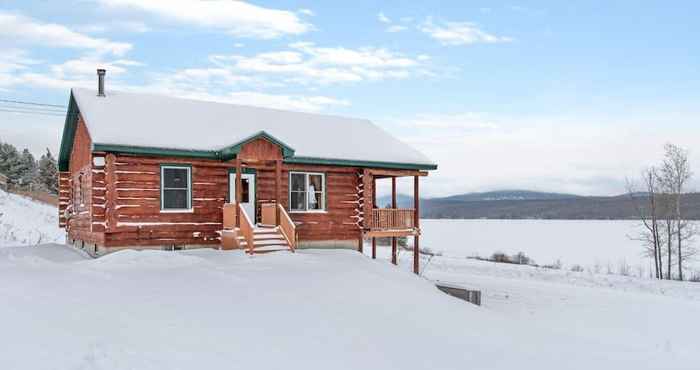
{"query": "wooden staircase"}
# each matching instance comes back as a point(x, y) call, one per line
point(265, 239)
point(259, 238)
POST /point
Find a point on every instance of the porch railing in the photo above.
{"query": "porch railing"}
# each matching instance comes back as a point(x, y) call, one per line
point(392, 219)
point(288, 228)
point(246, 228)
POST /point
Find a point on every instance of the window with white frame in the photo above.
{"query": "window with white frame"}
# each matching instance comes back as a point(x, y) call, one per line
point(175, 188)
point(307, 191)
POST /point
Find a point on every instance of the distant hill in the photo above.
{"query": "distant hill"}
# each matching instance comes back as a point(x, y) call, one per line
point(510, 195)
point(524, 204)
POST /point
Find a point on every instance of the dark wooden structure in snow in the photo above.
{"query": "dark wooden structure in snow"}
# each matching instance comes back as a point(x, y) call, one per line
point(146, 171)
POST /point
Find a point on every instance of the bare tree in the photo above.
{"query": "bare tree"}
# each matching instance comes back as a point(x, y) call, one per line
point(675, 173)
point(649, 216)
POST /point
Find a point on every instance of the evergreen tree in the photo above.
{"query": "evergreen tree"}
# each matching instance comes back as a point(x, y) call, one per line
point(10, 162)
point(48, 173)
point(27, 168)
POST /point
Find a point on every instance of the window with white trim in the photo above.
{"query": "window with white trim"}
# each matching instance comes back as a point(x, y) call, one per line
point(307, 192)
point(175, 188)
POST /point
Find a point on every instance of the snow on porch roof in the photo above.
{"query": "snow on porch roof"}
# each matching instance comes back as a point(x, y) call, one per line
point(153, 121)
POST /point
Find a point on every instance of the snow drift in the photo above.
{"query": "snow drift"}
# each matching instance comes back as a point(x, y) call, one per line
point(24, 221)
point(315, 309)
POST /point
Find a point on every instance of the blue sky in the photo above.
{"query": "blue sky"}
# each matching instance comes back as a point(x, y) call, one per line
point(545, 95)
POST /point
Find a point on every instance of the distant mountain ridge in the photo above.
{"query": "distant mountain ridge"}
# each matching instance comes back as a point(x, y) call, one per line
point(510, 195)
point(404, 200)
point(526, 204)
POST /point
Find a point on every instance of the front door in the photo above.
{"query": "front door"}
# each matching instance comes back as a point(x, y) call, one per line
point(247, 193)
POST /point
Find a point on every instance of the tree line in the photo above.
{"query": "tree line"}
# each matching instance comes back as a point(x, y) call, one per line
point(666, 231)
point(25, 172)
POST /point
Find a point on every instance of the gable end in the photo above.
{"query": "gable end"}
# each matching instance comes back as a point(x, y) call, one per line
point(68, 137)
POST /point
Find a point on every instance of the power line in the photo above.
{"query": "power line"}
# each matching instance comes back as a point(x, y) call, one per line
point(32, 103)
point(32, 108)
point(32, 112)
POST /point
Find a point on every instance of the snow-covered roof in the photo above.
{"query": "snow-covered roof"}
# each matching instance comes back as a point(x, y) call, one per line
point(153, 121)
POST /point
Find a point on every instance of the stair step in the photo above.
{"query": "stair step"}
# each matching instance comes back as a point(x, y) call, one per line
point(264, 237)
point(263, 232)
point(268, 249)
point(264, 243)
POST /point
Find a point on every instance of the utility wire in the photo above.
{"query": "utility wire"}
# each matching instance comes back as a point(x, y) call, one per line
point(32, 103)
point(32, 108)
point(30, 112)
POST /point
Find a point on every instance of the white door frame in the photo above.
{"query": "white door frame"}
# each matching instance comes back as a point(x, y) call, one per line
point(249, 207)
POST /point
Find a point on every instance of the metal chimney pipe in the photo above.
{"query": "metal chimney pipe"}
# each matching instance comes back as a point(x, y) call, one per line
point(101, 81)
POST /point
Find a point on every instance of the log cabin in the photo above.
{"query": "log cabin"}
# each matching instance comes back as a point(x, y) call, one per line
point(146, 171)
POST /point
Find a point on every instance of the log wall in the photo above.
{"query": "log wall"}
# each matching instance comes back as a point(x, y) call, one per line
point(76, 189)
point(138, 220)
point(122, 197)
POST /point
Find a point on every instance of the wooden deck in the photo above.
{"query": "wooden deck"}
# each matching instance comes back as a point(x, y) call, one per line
point(391, 222)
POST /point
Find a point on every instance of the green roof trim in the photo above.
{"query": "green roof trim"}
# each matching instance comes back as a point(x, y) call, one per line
point(159, 152)
point(232, 151)
point(361, 163)
point(69, 128)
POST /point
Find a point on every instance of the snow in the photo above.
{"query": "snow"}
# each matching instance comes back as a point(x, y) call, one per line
point(165, 122)
point(321, 309)
point(27, 222)
point(325, 309)
point(592, 244)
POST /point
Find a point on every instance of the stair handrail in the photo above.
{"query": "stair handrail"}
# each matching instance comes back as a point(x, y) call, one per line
point(288, 228)
point(246, 229)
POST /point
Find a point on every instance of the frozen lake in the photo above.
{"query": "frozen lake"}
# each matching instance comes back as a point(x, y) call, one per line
point(584, 242)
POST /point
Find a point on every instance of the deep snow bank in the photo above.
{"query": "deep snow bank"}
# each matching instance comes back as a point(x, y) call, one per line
point(208, 309)
point(26, 222)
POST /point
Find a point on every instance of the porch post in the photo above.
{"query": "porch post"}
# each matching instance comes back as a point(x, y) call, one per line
point(278, 190)
point(393, 205)
point(416, 225)
point(366, 208)
point(374, 205)
point(238, 192)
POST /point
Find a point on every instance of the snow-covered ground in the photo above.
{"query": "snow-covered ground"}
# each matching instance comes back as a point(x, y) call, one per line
point(321, 309)
point(24, 221)
point(593, 244)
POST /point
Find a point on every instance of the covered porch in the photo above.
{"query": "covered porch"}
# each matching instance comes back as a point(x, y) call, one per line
point(392, 222)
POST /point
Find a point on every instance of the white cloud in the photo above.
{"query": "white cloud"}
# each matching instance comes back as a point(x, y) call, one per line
point(459, 33)
point(396, 28)
point(235, 17)
point(16, 27)
point(308, 12)
point(209, 89)
point(383, 18)
point(85, 67)
point(585, 155)
point(116, 26)
point(390, 26)
point(308, 64)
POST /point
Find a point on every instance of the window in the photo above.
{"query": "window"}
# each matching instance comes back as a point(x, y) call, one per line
point(307, 192)
point(175, 188)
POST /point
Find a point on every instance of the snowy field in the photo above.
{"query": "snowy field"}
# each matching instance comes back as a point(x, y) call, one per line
point(595, 245)
point(27, 222)
point(207, 309)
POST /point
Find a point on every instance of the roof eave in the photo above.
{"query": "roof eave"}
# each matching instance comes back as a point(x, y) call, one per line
point(68, 136)
point(218, 155)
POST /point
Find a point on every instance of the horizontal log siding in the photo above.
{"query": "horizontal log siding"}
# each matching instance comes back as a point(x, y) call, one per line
point(136, 215)
point(339, 222)
point(139, 222)
point(80, 180)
